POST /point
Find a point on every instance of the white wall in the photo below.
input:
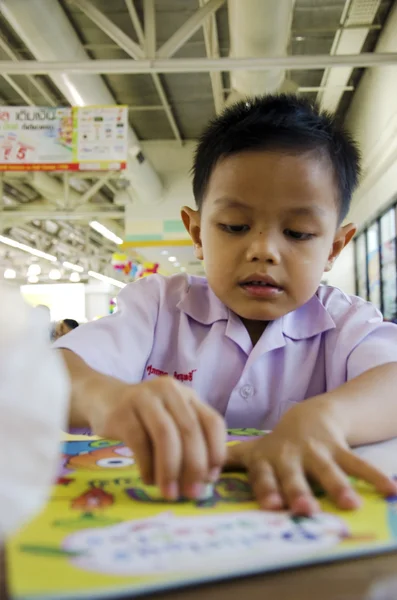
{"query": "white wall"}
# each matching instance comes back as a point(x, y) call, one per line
point(372, 119)
point(342, 273)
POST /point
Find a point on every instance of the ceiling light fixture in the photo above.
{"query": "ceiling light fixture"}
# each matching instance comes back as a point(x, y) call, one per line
point(98, 227)
point(10, 274)
point(55, 274)
point(164, 252)
point(34, 269)
point(106, 279)
point(33, 279)
point(25, 248)
point(172, 258)
point(77, 99)
point(74, 277)
point(73, 267)
point(177, 264)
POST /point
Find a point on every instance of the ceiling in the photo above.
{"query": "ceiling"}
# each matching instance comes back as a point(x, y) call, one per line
point(167, 110)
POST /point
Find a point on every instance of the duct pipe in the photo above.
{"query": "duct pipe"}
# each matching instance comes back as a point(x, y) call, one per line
point(45, 29)
point(259, 29)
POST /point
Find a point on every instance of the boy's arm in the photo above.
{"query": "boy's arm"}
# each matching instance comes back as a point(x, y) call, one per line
point(312, 439)
point(366, 406)
point(87, 385)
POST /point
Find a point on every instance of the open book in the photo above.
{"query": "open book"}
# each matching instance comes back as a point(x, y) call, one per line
point(104, 533)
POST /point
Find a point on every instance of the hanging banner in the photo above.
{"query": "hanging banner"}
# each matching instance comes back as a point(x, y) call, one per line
point(89, 138)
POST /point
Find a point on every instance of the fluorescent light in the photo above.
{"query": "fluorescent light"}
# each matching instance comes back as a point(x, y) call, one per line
point(172, 258)
point(73, 267)
point(164, 252)
point(74, 277)
point(10, 274)
point(77, 99)
point(25, 248)
point(33, 279)
point(177, 264)
point(106, 279)
point(106, 232)
point(34, 269)
point(55, 274)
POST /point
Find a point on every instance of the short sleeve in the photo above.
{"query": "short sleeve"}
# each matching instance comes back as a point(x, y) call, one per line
point(375, 345)
point(365, 341)
point(119, 345)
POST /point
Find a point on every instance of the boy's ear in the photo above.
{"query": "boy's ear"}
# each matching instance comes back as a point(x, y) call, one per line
point(342, 237)
point(191, 221)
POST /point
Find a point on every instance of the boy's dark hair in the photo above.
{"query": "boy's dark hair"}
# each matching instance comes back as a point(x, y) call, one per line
point(286, 123)
point(71, 323)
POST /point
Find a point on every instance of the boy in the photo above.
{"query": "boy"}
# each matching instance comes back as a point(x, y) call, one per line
point(273, 179)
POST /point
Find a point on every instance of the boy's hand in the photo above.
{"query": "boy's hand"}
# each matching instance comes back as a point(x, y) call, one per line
point(178, 442)
point(308, 442)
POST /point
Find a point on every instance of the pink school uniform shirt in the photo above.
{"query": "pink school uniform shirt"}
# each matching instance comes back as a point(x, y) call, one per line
point(177, 326)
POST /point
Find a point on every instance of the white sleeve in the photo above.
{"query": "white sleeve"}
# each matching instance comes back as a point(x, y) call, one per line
point(34, 394)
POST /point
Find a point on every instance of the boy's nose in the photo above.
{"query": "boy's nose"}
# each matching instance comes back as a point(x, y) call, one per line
point(263, 248)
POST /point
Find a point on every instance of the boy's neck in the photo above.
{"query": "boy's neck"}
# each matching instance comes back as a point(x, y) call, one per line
point(255, 329)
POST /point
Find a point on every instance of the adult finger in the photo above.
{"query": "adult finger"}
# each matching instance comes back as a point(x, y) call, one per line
point(357, 467)
point(265, 485)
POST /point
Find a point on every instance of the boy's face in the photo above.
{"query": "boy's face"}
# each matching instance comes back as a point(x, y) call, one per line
point(267, 230)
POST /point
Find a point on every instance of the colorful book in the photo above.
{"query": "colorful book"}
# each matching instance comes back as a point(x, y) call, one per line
point(104, 533)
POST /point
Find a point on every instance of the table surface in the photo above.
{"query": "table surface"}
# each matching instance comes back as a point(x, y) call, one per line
point(371, 578)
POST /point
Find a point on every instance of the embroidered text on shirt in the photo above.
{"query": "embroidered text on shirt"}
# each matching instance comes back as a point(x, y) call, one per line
point(152, 371)
point(179, 376)
point(184, 376)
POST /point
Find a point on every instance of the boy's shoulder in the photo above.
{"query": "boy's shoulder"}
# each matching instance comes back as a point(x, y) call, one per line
point(341, 306)
point(187, 293)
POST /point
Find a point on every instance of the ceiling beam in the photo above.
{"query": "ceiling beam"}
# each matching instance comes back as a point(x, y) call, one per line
point(185, 32)
point(135, 21)
point(18, 90)
point(106, 25)
point(32, 80)
point(130, 47)
point(60, 215)
point(212, 49)
point(201, 65)
point(149, 16)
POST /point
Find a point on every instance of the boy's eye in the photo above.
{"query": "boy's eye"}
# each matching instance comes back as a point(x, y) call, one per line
point(234, 228)
point(298, 235)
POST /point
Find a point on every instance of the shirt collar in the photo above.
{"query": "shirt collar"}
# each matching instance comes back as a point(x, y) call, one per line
point(308, 320)
point(201, 304)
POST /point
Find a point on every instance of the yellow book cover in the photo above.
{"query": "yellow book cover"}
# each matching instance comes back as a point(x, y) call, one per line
point(106, 534)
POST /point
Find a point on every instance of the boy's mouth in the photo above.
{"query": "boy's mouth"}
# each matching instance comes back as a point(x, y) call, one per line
point(260, 285)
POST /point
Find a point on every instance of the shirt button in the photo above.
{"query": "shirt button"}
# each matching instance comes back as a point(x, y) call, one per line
point(246, 391)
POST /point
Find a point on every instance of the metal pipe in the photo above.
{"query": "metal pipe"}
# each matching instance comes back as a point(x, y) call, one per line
point(199, 65)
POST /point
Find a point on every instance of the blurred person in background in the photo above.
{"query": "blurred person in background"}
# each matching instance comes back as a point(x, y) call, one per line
point(63, 327)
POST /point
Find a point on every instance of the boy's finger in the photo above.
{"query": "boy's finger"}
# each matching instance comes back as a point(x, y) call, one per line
point(166, 443)
point(265, 486)
point(334, 481)
point(214, 430)
point(134, 435)
point(194, 470)
point(295, 488)
point(357, 467)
